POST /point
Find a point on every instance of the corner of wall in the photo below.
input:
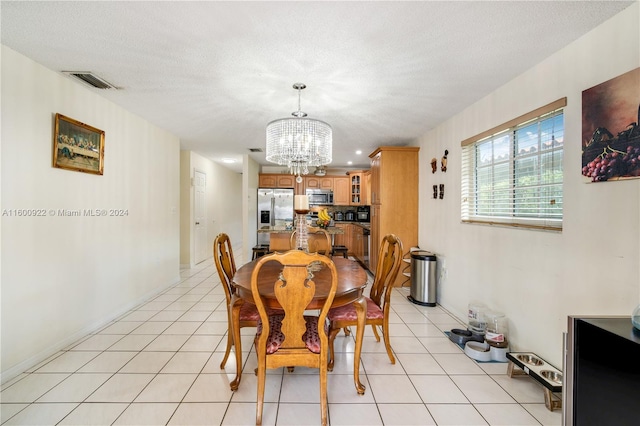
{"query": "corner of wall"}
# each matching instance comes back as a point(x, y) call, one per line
point(185, 207)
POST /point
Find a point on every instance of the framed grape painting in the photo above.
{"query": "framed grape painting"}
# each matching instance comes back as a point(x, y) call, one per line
point(611, 129)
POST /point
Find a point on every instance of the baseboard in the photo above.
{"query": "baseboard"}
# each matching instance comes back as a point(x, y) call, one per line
point(28, 364)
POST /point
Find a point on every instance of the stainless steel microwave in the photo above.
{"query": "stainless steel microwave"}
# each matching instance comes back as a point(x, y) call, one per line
point(320, 197)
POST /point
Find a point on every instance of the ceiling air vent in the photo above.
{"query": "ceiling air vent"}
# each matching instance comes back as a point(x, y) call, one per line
point(255, 149)
point(90, 79)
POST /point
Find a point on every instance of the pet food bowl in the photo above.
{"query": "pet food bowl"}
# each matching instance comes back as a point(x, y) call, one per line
point(530, 359)
point(478, 351)
point(461, 337)
point(552, 376)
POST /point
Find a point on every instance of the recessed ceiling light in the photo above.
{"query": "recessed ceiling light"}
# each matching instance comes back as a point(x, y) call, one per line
point(349, 162)
point(228, 160)
point(358, 152)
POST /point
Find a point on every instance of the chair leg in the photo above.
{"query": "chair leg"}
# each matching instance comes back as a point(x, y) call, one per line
point(323, 396)
point(261, 386)
point(347, 331)
point(227, 352)
point(229, 343)
point(333, 332)
point(387, 343)
point(375, 332)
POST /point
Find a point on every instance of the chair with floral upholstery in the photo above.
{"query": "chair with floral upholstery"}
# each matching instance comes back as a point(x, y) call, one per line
point(226, 266)
point(378, 302)
point(293, 338)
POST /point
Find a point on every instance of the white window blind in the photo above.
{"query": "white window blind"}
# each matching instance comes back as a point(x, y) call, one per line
point(512, 174)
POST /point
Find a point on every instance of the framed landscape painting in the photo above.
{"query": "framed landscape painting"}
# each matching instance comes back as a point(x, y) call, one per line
point(78, 146)
point(611, 129)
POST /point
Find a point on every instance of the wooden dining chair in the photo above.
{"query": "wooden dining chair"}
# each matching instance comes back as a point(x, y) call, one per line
point(319, 241)
point(378, 302)
point(226, 266)
point(292, 338)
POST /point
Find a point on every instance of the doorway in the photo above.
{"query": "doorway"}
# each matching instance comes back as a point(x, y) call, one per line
point(200, 216)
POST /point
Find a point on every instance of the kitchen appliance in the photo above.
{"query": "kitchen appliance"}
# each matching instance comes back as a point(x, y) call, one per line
point(350, 216)
point(338, 216)
point(275, 208)
point(366, 246)
point(362, 214)
point(320, 197)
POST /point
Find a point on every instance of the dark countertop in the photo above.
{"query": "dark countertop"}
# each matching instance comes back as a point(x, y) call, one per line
point(621, 326)
point(365, 225)
point(331, 230)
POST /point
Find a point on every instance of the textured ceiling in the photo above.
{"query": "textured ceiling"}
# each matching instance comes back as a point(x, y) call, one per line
point(215, 73)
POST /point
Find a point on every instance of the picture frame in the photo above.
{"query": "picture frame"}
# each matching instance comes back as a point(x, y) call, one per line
point(77, 146)
point(611, 129)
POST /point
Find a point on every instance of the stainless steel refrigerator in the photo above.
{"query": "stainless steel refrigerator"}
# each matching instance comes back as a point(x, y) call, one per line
point(275, 208)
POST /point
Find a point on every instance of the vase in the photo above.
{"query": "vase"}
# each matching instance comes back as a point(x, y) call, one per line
point(302, 232)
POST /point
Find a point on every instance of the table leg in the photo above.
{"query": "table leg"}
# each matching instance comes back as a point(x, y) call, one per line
point(234, 333)
point(361, 311)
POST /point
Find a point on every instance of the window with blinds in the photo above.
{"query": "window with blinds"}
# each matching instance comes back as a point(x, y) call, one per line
point(512, 174)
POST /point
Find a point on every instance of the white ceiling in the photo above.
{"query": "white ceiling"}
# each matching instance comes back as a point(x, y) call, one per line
point(215, 73)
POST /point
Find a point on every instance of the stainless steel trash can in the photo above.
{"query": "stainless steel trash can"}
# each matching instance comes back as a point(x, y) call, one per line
point(423, 278)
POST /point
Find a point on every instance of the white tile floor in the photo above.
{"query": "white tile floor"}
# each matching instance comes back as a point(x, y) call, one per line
point(159, 364)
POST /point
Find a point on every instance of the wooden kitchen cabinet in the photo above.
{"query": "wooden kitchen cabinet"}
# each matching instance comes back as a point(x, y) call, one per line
point(286, 181)
point(266, 180)
point(341, 191)
point(375, 237)
point(356, 188)
point(326, 183)
point(343, 239)
point(394, 198)
point(358, 239)
point(340, 185)
point(374, 180)
point(315, 182)
point(352, 239)
point(366, 188)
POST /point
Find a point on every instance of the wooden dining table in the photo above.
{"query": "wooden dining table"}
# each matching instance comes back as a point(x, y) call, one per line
point(352, 280)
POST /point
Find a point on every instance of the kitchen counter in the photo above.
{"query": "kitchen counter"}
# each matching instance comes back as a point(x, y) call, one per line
point(331, 230)
point(365, 225)
point(279, 236)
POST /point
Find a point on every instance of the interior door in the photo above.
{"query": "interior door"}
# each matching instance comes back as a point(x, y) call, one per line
point(200, 217)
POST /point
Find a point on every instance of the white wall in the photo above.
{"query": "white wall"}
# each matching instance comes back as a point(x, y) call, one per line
point(539, 278)
point(64, 276)
point(223, 204)
point(250, 205)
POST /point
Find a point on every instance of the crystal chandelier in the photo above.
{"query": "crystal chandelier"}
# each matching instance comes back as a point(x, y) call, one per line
point(299, 142)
